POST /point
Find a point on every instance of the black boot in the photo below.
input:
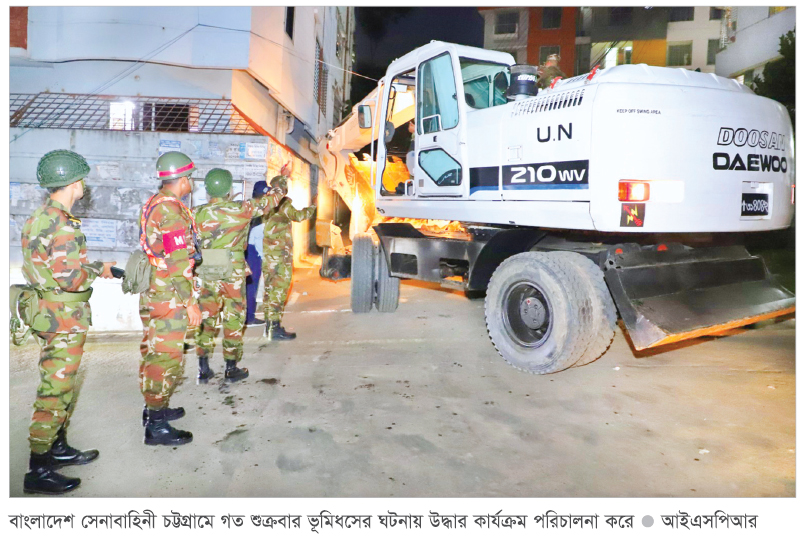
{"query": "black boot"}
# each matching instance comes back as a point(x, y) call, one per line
point(233, 373)
point(61, 454)
point(170, 414)
point(43, 479)
point(205, 373)
point(276, 332)
point(160, 432)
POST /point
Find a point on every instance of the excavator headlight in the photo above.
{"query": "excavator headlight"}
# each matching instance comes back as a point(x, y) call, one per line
point(633, 191)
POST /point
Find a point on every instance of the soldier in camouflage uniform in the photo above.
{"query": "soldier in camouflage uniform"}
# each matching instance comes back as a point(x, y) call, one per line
point(224, 225)
point(550, 71)
point(55, 262)
point(167, 237)
point(278, 259)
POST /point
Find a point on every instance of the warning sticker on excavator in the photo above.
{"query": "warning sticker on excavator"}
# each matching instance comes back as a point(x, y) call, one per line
point(632, 215)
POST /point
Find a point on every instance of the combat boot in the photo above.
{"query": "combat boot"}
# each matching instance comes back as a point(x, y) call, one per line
point(233, 373)
point(160, 432)
point(276, 332)
point(43, 479)
point(170, 414)
point(61, 454)
point(205, 372)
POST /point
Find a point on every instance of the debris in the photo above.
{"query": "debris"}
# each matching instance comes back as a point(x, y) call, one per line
point(771, 387)
point(704, 451)
point(616, 368)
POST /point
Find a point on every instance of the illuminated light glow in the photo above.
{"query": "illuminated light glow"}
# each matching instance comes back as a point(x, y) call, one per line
point(633, 191)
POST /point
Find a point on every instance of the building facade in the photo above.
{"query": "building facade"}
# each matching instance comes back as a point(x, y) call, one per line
point(751, 38)
point(249, 89)
point(686, 37)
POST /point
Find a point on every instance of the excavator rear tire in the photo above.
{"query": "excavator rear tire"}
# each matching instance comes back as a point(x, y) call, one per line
point(362, 274)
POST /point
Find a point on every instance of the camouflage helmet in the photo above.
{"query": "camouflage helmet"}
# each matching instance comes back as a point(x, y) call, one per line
point(279, 181)
point(174, 165)
point(60, 168)
point(218, 182)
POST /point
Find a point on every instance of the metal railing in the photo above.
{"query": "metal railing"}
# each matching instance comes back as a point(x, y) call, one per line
point(123, 113)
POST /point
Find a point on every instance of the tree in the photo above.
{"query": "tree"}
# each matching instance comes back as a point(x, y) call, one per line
point(777, 81)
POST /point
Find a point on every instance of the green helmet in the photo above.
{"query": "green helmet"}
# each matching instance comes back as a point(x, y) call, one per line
point(218, 182)
point(174, 165)
point(279, 181)
point(60, 168)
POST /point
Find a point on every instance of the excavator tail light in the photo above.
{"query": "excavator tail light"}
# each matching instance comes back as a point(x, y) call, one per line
point(633, 191)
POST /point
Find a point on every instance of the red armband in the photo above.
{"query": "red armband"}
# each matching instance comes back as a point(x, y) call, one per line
point(173, 241)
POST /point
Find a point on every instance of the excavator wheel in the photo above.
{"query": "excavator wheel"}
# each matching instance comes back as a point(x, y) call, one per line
point(362, 274)
point(387, 287)
point(603, 326)
point(538, 312)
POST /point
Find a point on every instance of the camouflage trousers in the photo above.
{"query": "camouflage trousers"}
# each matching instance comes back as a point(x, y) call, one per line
point(277, 269)
point(164, 325)
point(59, 359)
point(227, 299)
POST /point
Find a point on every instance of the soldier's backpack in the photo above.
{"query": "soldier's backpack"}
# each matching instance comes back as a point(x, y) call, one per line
point(217, 265)
point(137, 278)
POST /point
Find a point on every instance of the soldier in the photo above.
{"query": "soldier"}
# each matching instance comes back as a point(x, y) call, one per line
point(278, 259)
point(167, 236)
point(550, 71)
point(223, 228)
point(55, 262)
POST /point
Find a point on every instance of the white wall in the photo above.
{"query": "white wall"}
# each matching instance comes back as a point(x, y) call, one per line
point(757, 40)
point(132, 33)
point(698, 31)
point(154, 80)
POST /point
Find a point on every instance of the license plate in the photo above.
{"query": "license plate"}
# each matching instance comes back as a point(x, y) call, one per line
point(755, 204)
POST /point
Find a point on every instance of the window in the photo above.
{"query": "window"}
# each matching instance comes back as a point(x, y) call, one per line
point(679, 54)
point(485, 84)
point(678, 14)
point(713, 48)
point(166, 117)
point(320, 80)
point(436, 96)
point(620, 16)
point(337, 105)
point(289, 22)
point(506, 23)
point(545, 52)
point(441, 167)
point(716, 14)
point(121, 116)
point(552, 16)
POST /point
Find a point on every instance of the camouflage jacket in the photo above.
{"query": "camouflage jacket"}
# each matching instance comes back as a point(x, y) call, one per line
point(277, 229)
point(548, 74)
point(54, 252)
point(169, 231)
point(224, 224)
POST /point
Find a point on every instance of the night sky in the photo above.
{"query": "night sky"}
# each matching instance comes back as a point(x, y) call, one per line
point(413, 29)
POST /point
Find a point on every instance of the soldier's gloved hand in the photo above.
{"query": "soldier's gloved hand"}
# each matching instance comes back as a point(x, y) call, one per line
point(107, 273)
point(194, 315)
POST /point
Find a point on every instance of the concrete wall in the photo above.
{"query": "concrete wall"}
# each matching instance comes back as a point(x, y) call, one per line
point(757, 40)
point(154, 80)
point(121, 179)
point(133, 33)
point(698, 31)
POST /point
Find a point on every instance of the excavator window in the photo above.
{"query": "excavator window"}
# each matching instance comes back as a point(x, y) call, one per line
point(438, 108)
point(485, 83)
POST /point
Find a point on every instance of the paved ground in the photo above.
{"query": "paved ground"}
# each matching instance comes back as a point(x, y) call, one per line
point(419, 404)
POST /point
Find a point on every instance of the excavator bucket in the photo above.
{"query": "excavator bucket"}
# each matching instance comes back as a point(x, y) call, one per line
point(669, 296)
